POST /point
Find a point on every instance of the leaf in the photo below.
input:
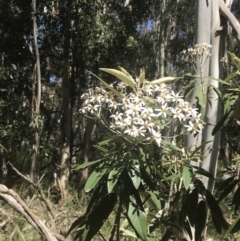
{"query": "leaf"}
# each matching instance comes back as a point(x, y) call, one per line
point(167, 235)
point(87, 164)
point(236, 200)
point(113, 178)
point(79, 222)
point(202, 171)
point(217, 224)
point(220, 80)
point(109, 87)
point(94, 179)
point(235, 60)
point(14, 66)
point(127, 79)
point(227, 190)
point(230, 77)
point(172, 146)
point(187, 176)
point(221, 123)
point(201, 219)
point(98, 216)
point(138, 219)
point(192, 201)
point(100, 148)
point(128, 233)
point(163, 80)
point(216, 210)
point(225, 183)
point(155, 200)
point(172, 177)
point(235, 227)
point(134, 174)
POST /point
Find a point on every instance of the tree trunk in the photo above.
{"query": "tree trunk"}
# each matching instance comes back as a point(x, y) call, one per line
point(36, 97)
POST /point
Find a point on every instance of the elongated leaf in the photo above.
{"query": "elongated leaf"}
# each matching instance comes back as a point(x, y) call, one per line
point(217, 224)
point(221, 123)
point(94, 179)
point(236, 200)
point(113, 178)
point(227, 190)
point(216, 210)
point(127, 79)
point(98, 216)
point(147, 180)
point(82, 166)
point(235, 60)
point(163, 80)
point(220, 81)
point(230, 77)
point(202, 171)
point(100, 148)
point(138, 219)
point(167, 235)
point(128, 233)
point(235, 227)
point(120, 95)
point(79, 222)
point(192, 210)
point(172, 146)
point(155, 200)
point(224, 184)
point(134, 174)
point(172, 177)
point(187, 176)
point(201, 219)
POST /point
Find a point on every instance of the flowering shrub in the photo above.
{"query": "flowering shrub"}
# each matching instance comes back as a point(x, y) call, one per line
point(139, 109)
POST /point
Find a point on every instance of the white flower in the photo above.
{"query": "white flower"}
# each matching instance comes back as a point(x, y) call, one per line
point(192, 128)
point(117, 116)
point(156, 136)
point(133, 131)
point(163, 110)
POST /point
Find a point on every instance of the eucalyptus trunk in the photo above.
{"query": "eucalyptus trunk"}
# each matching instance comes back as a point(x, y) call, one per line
point(36, 97)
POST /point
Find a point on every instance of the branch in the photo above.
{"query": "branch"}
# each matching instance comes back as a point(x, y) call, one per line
point(13, 200)
point(230, 18)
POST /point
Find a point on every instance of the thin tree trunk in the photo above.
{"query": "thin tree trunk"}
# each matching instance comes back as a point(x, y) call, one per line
point(36, 97)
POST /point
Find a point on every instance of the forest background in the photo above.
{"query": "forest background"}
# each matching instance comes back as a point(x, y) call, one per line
point(51, 54)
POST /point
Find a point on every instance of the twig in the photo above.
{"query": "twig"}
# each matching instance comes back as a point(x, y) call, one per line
point(37, 187)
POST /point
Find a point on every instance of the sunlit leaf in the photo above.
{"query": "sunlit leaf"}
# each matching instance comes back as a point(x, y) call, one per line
point(113, 178)
point(163, 80)
point(100, 148)
point(134, 174)
point(94, 178)
point(127, 79)
point(187, 176)
point(235, 227)
point(138, 219)
point(87, 164)
point(120, 95)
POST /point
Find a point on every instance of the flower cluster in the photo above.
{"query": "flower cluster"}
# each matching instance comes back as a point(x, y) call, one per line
point(142, 114)
point(198, 49)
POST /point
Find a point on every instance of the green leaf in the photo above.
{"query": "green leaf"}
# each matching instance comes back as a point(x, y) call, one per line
point(82, 166)
point(128, 233)
point(216, 210)
point(94, 179)
point(187, 176)
point(172, 177)
point(120, 95)
point(100, 148)
point(113, 178)
point(192, 201)
point(220, 80)
point(155, 200)
point(201, 219)
point(202, 171)
point(79, 222)
point(235, 60)
point(235, 227)
point(127, 79)
point(224, 184)
point(163, 80)
point(227, 190)
point(138, 219)
point(236, 200)
point(98, 216)
point(134, 174)
point(230, 77)
point(172, 146)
